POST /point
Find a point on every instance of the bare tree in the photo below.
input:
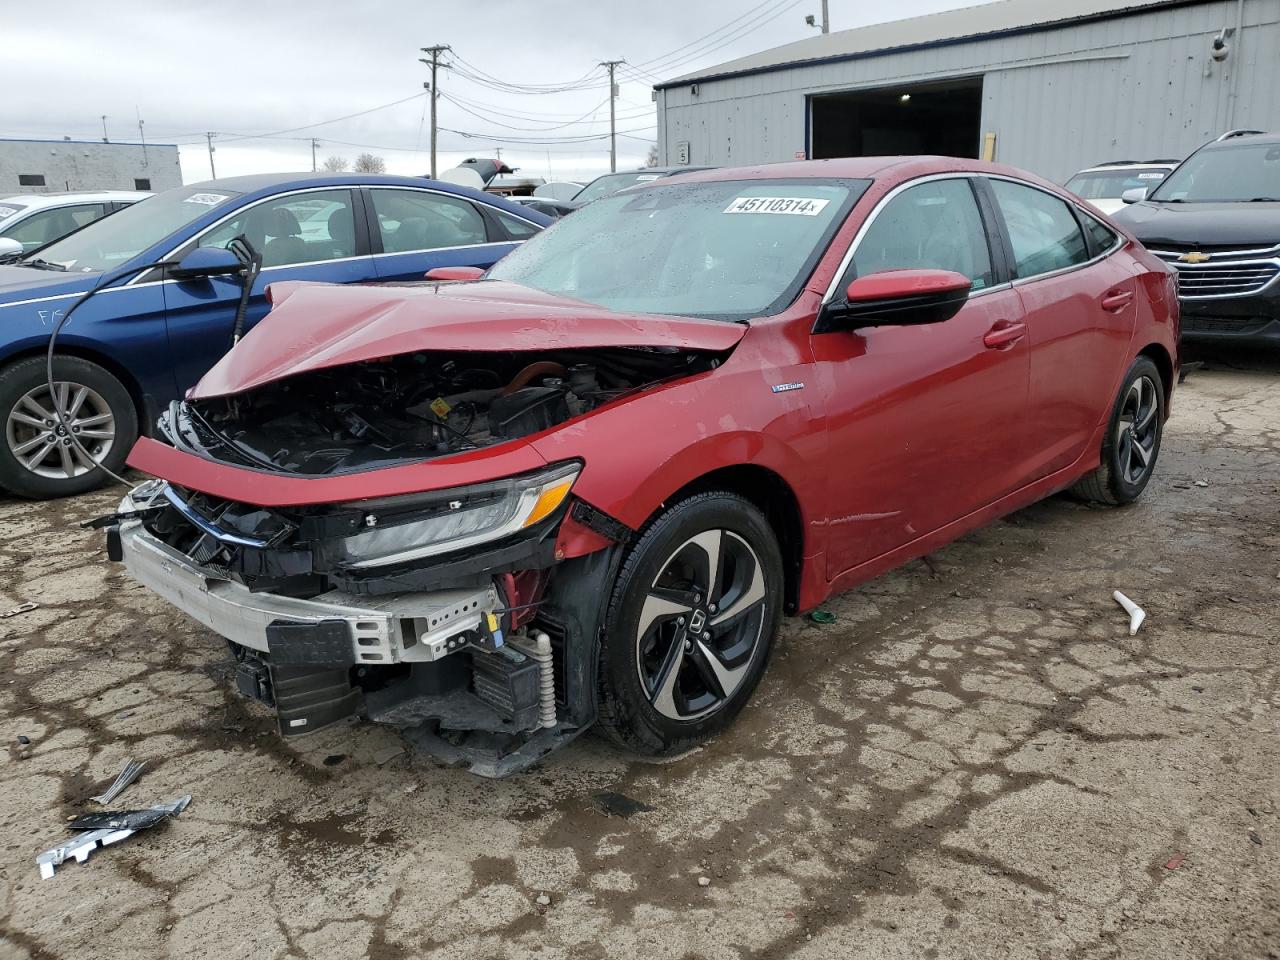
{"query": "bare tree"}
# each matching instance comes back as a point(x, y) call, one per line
point(335, 164)
point(368, 163)
point(652, 159)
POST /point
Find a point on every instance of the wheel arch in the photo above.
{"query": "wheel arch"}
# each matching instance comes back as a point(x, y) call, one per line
point(772, 495)
point(108, 363)
point(1157, 354)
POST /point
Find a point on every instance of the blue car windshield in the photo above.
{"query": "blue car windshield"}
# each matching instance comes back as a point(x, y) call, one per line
point(115, 240)
point(725, 250)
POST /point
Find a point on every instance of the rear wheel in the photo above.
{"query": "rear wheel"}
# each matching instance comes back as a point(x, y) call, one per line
point(690, 624)
point(1131, 444)
point(38, 458)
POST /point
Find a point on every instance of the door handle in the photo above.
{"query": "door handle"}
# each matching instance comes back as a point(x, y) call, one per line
point(1004, 334)
point(1116, 300)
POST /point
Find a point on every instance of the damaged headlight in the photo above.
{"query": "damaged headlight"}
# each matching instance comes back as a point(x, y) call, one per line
point(409, 528)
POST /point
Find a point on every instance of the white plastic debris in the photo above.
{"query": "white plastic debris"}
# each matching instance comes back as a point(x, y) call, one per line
point(79, 847)
point(132, 770)
point(1135, 612)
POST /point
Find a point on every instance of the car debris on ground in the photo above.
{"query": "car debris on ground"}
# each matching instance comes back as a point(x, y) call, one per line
point(132, 770)
point(104, 829)
point(1136, 614)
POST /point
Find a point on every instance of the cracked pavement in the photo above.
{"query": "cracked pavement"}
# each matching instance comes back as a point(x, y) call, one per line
point(975, 760)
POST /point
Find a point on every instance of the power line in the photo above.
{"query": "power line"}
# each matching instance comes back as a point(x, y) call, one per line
point(670, 53)
point(508, 126)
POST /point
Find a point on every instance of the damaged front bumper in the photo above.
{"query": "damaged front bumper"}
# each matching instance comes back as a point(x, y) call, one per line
point(360, 629)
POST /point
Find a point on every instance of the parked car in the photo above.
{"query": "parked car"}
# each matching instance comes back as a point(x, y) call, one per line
point(611, 183)
point(586, 487)
point(140, 344)
point(28, 221)
point(1216, 220)
point(1105, 185)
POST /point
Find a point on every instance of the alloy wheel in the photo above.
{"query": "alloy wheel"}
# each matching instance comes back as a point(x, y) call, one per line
point(40, 443)
point(1138, 430)
point(701, 625)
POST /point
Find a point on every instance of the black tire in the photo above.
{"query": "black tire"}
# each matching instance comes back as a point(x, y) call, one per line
point(1115, 482)
point(630, 709)
point(105, 395)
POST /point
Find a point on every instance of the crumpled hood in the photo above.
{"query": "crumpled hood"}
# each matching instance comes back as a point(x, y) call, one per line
point(317, 325)
point(1245, 226)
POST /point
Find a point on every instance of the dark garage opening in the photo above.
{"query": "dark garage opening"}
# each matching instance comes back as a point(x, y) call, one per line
point(942, 118)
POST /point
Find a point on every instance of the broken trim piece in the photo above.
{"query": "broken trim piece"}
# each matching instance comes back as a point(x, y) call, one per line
point(80, 848)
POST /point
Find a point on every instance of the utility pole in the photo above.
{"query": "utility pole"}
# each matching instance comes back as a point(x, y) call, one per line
point(434, 91)
point(213, 173)
point(143, 137)
point(104, 129)
point(313, 154)
point(826, 21)
point(612, 65)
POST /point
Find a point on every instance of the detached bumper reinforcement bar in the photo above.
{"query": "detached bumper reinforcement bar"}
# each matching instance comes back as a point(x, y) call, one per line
point(398, 628)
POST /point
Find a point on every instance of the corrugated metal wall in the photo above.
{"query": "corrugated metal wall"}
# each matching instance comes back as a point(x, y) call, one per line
point(1058, 99)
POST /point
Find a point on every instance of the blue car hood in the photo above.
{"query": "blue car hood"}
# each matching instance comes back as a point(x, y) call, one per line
point(26, 283)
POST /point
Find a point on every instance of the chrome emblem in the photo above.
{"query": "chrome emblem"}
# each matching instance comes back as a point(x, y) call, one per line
point(784, 387)
point(1195, 256)
point(697, 621)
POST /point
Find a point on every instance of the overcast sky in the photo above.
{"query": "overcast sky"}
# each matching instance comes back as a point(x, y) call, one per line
point(244, 69)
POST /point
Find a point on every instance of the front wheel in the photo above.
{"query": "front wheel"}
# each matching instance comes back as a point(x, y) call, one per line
point(690, 624)
point(38, 458)
point(1131, 444)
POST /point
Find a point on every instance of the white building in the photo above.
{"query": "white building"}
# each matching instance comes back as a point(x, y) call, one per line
point(46, 166)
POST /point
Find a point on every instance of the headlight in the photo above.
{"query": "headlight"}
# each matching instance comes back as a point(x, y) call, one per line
point(409, 528)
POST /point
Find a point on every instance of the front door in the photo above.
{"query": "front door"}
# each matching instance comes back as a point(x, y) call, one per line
point(309, 235)
point(925, 423)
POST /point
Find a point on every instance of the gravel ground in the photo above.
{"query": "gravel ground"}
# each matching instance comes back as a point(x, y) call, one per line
point(975, 760)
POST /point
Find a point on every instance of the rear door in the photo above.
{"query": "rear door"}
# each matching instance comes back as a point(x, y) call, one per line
point(925, 423)
point(305, 235)
point(1078, 302)
point(415, 230)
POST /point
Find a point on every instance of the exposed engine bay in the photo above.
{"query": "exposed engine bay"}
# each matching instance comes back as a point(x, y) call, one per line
point(413, 407)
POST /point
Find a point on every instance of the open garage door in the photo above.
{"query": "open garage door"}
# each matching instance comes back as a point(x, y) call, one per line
point(942, 117)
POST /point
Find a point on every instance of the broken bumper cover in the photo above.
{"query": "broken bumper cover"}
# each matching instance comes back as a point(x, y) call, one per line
point(378, 630)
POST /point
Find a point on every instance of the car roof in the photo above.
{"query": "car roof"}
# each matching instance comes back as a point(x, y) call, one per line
point(63, 198)
point(1242, 140)
point(898, 168)
point(1129, 165)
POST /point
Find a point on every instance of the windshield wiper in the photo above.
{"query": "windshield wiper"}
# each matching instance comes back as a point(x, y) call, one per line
point(40, 264)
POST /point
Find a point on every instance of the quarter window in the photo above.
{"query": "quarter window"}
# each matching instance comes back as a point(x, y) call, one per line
point(1101, 237)
point(299, 228)
point(516, 228)
point(1042, 229)
point(934, 225)
point(417, 220)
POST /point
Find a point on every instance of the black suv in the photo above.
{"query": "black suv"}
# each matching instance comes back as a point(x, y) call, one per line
point(1216, 220)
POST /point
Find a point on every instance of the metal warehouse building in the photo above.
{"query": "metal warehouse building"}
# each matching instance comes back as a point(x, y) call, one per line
point(46, 166)
point(1048, 85)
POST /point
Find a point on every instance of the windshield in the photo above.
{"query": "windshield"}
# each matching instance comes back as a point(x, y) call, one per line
point(612, 183)
point(728, 250)
point(113, 241)
point(1240, 172)
point(1111, 184)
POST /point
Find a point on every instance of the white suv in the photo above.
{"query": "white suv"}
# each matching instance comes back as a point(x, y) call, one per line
point(32, 220)
point(1104, 184)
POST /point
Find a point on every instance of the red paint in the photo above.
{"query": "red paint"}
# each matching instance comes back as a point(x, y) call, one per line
point(454, 273)
point(901, 439)
point(890, 284)
point(318, 325)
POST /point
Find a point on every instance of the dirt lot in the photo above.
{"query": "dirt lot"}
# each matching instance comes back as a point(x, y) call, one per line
point(974, 761)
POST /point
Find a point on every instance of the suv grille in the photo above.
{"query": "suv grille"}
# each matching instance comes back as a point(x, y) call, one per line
point(1239, 273)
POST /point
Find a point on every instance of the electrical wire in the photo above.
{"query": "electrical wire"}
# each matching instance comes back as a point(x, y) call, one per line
point(104, 281)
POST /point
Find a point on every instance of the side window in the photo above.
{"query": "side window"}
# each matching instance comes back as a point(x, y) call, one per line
point(1101, 237)
point(417, 220)
point(931, 225)
point(1042, 229)
point(48, 225)
point(299, 228)
point(516, 228)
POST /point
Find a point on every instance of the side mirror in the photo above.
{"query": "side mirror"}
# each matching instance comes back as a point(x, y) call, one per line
point(1134, 195)
point(206, 262)
point(897, 298)
point(454, 273)
point(9, 248)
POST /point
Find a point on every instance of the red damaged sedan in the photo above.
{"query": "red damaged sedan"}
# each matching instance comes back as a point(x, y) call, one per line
point(584, 487)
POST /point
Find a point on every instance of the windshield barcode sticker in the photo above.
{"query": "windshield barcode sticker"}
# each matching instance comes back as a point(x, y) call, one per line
point(208, 199)
point(793, 206)
point(1151, 176)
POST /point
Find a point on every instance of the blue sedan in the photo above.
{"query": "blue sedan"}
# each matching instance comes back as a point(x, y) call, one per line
point(141, 342)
